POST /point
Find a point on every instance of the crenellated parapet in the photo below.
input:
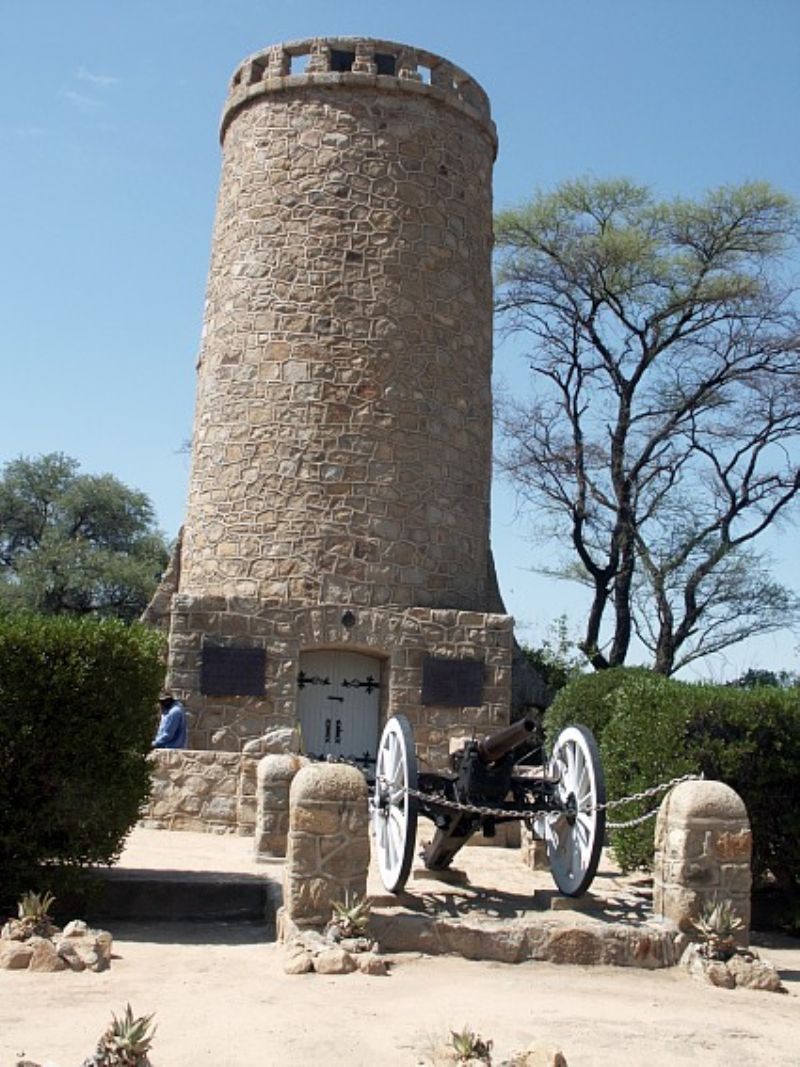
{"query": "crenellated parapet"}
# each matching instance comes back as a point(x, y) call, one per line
point(357, 62)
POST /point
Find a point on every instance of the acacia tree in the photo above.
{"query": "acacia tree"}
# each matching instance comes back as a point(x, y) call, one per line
point(75, 543)
point(662, 433)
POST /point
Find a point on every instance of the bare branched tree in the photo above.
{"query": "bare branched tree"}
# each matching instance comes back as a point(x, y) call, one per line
point(663, 432)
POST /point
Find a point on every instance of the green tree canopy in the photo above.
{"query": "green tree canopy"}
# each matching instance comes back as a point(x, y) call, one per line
point(74, 543)
point(661, 439)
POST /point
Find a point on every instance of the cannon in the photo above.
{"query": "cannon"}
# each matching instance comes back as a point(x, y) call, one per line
point(563, 802)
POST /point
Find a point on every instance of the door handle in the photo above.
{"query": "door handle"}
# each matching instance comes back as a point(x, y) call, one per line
point(340, 699)
point(327, 730)
point(338, 731)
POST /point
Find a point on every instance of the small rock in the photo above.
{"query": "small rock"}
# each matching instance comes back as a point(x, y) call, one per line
point(298, 961)
point(312, 940)
point(369, 963)
point(15, 955)
point(66, 950)
point(538, 1055)
point(76, 928)
point(334, 960)
point(44, 956)
point(278, 741)
point(743, 969)
point(358, 944)
point(699, 966)
point(755, 973)
point(14, 930)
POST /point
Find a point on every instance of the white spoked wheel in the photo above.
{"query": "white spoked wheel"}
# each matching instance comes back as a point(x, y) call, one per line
point(394, 812)
point(574, 836)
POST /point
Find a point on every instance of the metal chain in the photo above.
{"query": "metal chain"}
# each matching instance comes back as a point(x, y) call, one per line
point(468, 809)
point(632, 822)
point(643, 795)
point(651, 792)
point(497, 813)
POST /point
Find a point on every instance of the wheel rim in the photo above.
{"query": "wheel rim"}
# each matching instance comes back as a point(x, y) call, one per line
point(394, 811)
point(574, 836)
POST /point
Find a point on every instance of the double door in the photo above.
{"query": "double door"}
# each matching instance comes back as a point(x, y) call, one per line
point(338, 696)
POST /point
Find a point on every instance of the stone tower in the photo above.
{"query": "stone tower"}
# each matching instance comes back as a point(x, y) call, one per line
point(335, 564)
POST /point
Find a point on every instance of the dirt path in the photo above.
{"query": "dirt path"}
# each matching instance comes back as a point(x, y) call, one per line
point(221, 999)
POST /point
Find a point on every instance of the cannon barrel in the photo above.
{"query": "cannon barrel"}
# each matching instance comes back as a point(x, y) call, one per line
point(500, 744)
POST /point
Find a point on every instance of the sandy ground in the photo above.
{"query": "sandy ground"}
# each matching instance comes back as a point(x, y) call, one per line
point(221, 999)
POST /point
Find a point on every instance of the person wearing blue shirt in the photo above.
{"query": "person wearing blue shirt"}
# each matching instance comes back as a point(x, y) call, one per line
point(172, 728)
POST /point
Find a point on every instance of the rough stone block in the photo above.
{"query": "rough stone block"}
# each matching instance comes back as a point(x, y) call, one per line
point(308, 901)
point(44, 956)
point(730, 846)
point(15, 955)
point(320, 819)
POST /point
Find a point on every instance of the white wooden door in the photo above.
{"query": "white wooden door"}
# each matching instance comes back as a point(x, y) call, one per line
point(338, 702)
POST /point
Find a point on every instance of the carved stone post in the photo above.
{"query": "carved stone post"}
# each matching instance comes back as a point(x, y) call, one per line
point(273, 781)
point(703, 845)
point(328, 852)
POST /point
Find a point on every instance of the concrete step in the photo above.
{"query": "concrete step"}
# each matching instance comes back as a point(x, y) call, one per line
point(145, 895)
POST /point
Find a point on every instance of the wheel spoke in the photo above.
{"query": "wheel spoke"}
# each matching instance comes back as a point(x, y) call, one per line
point(583, 832)
point(397, 826)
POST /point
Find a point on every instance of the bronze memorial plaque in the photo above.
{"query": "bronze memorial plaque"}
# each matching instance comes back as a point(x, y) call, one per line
point(452, 682)
point(232, 672)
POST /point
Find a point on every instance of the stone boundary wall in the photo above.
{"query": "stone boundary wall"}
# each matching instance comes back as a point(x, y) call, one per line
point(213, 792)
point(401, 638)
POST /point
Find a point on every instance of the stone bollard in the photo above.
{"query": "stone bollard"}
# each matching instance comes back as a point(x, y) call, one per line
point(328, 852)
point(702, 856)
point(273, 781)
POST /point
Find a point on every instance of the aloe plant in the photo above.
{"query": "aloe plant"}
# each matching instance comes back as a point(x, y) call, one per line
point(717, 926)
point(469, 1046)
point(33, 916)
point(125, 1043)
point(352, 915)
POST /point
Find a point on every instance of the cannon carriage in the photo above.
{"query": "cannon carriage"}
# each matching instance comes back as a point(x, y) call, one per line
point(563, 802)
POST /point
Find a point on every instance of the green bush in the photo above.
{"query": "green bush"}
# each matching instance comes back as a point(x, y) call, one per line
point(643, 745)
point(652, 729)
point(660, 729)
point(77, 699)
point(588, 700)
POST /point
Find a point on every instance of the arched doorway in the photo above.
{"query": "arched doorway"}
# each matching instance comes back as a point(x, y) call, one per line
point(338, 704)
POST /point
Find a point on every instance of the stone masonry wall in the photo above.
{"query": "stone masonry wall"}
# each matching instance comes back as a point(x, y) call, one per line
point(402, 638)
point(342, 439)
point(209, 791)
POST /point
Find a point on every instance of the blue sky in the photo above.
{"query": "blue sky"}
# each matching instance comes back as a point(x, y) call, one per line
point(108, 118)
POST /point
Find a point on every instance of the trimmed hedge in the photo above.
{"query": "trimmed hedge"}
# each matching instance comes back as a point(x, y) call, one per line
point(588, 701)
point(652, 729)
point(77, 717)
